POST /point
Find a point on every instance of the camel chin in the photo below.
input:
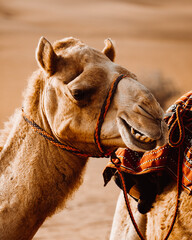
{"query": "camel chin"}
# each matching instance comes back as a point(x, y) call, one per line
point(134, 139)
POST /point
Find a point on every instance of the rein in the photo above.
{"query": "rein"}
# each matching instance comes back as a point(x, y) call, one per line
point(177, 125)
point(123, 185)
point(100, 120)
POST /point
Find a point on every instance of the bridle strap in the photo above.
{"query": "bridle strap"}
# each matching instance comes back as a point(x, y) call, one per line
point(51, 138)
point(97, 132)
point(103, 113)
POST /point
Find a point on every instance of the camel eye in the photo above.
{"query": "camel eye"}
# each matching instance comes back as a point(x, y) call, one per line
point(78, 94)
point(82, 95)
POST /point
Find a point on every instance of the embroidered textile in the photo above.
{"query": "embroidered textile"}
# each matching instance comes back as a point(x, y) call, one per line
point(179, 120)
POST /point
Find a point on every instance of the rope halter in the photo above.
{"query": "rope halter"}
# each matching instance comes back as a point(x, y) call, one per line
point(97, 133)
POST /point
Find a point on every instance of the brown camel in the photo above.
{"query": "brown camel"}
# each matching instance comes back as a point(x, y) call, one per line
point(64, 97)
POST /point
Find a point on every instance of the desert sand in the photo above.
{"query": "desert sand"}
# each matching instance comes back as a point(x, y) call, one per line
point(153, 39)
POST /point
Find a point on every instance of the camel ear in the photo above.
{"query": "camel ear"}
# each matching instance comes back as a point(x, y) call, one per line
point(45, 56)
point(109, 49)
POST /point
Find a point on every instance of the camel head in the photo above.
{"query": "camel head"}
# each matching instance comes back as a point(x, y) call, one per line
point(76, 80)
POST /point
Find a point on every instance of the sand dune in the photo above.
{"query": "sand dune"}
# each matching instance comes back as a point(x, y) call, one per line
point(152, 37)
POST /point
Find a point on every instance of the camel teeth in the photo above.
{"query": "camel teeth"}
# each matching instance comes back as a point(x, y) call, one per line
point(147, 140)
point(133, 131)
point(141, 137)
point(138, 136)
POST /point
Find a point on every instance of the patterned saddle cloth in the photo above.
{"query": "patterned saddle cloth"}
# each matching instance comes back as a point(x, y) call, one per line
point(179, 120)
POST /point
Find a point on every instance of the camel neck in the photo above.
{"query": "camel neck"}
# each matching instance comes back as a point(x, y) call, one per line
point(35, 179)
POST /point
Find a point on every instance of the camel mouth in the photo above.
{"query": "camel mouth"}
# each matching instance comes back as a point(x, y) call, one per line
point(140, 136)
point(139, 141)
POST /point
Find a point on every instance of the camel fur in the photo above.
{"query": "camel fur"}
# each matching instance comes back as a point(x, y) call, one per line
point(155, 224)
point(64, 96)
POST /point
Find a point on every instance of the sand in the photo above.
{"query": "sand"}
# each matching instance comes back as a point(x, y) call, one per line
point(153, 38)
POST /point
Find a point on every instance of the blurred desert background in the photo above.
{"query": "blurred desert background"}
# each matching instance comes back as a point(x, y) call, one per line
point(153, 39)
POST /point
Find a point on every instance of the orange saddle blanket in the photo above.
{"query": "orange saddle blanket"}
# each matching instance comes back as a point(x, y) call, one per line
point(179, 121)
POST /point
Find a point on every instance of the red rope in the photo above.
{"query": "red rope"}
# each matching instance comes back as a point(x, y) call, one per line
point(179, 167)
point(123, 185)
point(178, 123)
point(51, 138)
point(117, 165)
point(103, 112)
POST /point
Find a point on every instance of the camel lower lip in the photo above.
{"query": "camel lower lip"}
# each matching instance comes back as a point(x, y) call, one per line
point(139, 139)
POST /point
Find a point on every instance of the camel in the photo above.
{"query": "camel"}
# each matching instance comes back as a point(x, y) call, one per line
point(156, 222)
point(62, 102)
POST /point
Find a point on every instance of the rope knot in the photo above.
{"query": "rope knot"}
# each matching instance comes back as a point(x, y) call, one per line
point(177, 130)
point(115, 160)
